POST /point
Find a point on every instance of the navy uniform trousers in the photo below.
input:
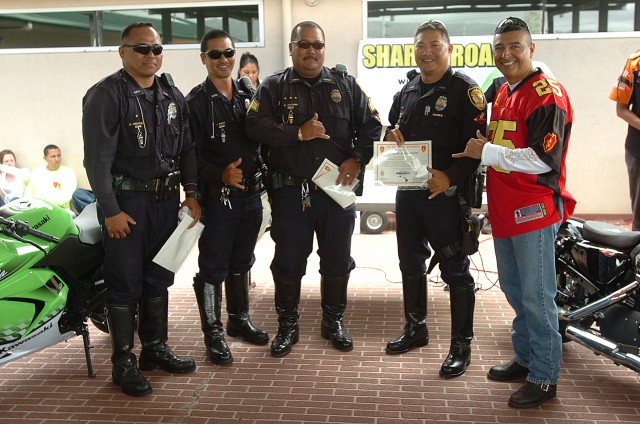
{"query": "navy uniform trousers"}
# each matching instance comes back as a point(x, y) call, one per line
point(292, 231)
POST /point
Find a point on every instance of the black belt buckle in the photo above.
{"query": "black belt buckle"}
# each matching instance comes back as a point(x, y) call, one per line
point(117, 183)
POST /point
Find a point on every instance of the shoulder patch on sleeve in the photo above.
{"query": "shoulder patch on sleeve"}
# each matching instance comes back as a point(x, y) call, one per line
point(254, 106)
point(549, 142)
point(477, 97)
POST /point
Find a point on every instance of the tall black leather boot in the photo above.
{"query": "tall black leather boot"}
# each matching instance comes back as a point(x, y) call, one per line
point(287, 298)
point(236, 287)
point(209, 297)
point(153, 330)
point(125, 373)
point(333, 291)
point(416, 333)
point(463, 301)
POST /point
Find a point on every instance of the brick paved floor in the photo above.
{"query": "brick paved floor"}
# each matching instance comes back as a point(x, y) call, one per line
point(315, 383)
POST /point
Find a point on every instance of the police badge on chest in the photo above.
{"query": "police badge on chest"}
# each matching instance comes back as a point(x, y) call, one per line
point(172, 112)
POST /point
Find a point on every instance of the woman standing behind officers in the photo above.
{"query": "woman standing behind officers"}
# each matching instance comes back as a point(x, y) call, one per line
point(249, 68)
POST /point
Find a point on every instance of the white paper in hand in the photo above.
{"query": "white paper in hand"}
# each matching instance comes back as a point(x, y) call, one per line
point(325, 178)
point(179, 244)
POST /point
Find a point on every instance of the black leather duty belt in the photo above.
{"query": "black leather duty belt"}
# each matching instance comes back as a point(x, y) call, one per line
point(251, 185)
point(162, 188)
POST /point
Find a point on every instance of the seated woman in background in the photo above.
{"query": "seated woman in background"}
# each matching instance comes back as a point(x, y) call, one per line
point(249, 68)
point(13, 180)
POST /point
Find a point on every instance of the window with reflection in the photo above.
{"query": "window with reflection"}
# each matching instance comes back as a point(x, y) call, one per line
point(176, 24)
point(399, 18)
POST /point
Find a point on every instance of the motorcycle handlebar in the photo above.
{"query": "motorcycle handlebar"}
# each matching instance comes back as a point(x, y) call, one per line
point(22, 226)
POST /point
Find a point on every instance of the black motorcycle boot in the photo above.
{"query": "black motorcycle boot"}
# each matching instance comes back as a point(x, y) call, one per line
point(462, 301)
point(125, 373)
point(209, 297)
point(531, 395)
point(333, 291)
point(153, 330)
point(287, 298)
point(236, 287)
point(416, 333)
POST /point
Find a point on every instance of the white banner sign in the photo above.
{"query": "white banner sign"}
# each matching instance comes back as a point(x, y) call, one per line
point(383, 64)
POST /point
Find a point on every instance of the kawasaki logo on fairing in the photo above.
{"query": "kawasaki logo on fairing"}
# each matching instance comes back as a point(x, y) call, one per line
point(44, 328)
point(43, 221)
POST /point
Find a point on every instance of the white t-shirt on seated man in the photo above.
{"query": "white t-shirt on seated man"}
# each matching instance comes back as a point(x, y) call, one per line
point(54, 183)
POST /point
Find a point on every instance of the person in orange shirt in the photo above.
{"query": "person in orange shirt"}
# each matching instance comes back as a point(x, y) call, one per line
point(626, 94)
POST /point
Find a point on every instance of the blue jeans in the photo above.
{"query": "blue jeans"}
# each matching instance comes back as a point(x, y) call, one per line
point(527, 272)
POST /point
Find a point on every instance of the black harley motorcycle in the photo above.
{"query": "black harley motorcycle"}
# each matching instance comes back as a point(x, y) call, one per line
point(598, 282)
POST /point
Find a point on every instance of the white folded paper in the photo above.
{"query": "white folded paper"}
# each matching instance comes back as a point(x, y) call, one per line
point(177, 247)
point(325, 178)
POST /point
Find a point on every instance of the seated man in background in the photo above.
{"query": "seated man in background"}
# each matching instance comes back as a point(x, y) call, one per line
point(54, 183)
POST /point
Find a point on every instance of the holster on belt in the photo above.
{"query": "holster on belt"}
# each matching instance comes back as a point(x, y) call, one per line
point(276, 180)
point(251, 185)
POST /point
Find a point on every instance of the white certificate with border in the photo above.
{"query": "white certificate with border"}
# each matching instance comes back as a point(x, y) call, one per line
point(403, 166)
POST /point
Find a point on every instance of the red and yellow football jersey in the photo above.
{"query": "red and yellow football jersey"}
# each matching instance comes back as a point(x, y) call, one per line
point(536, 114)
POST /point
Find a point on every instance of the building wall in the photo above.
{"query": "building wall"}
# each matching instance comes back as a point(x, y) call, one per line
point(42, 93)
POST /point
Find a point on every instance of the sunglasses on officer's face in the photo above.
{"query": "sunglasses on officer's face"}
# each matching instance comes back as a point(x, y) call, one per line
point(304, 44)
point(144, 49)
point(217, 54)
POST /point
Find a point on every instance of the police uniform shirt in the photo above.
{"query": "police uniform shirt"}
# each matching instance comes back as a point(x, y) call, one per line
point(448, 112)
point(135, 132)
point(217, 128)
point(284, 101)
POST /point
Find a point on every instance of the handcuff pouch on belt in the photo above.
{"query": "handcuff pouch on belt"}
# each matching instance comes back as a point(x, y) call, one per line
point(473, 187)
point(162, 188)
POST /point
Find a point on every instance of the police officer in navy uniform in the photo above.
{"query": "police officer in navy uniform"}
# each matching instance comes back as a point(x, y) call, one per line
point(447, 108)
point(138, 150)
point(304, 114)
point(229, 177)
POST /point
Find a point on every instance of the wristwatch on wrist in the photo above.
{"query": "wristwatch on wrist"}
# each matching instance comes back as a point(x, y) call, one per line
point(358, 159)
point(192, 195)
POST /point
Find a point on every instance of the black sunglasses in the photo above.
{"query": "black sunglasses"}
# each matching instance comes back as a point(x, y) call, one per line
point(217, 54)
point(511, 24)
point(303, 44)
point(144, 49)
